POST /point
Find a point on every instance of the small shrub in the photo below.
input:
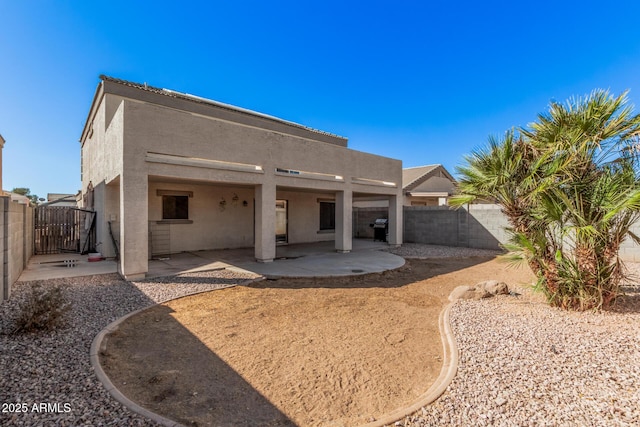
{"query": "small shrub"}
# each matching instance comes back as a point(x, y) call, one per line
point(42, 310)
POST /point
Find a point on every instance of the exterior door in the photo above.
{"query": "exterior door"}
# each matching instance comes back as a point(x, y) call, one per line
point(281, 221)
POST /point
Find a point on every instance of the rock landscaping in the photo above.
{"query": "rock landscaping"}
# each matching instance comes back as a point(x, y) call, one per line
point(521, 362)
point(486, 289)
point(47, 378)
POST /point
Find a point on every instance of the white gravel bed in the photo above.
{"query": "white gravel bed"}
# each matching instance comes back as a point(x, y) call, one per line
point(523, 363)
point(52, 371)
point(166, 288)
point(422, 251)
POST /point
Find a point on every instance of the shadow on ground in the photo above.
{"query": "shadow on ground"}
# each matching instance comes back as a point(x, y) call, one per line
point(307, 351)
point(164, 387)
point(629, 301)
point(411, 272)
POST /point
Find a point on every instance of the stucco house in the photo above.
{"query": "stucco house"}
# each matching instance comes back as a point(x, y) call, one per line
point(171, 172)
point(429, 185)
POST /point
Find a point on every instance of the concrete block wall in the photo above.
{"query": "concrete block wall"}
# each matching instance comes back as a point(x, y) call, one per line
point(4, 250)
point(16, 242)
point(433, 225)
point(28, 241)
point(630, 251)
point(487, 226)
point(477, 226)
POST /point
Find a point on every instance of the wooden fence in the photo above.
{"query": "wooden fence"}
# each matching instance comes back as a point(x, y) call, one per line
point(63, 229)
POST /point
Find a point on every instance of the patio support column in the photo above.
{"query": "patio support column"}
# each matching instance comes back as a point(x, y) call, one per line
point(110, 211)
point(102, 233)
point(134, 225)
point(265, 221)
point(344, 221)
point(395, 221)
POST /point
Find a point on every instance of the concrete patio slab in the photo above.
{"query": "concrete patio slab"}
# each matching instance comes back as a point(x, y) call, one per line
point(300, 260)
point(56, 266)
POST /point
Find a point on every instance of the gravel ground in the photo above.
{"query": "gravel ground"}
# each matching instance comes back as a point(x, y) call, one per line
point(420, 251)
point(54, 368)
point(521, 362)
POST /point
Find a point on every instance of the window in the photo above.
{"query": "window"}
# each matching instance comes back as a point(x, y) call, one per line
point(327, 215)
point(175, 207)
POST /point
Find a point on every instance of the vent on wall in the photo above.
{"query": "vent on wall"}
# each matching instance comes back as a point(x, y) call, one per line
point(309, 175)
point(288, 171)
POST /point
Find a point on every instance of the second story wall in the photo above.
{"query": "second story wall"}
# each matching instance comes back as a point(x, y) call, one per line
point(101, 149)
point(158, 129)
point(126, 123)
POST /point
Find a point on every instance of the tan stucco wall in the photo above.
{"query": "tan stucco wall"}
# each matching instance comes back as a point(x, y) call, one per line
point(102, 152)
point(107, 207)
point(420, 201)
point(163, 130)
point(181, 134)
point(212, 227)
point(304, 216)
point(125, 131)
point(168, 131)
point(171, 131)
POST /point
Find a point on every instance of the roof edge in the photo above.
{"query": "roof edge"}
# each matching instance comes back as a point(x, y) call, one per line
point(426, 175)
point(201, 100)
point(92, 110)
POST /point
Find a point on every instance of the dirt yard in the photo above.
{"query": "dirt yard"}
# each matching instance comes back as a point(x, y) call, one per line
point(307, 352)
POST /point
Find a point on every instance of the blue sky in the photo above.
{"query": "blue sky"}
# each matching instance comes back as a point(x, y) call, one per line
point(420, 81)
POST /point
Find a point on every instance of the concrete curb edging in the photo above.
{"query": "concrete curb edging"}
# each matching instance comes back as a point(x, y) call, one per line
point(97, 345)
point(94, 355)
point(447, 373)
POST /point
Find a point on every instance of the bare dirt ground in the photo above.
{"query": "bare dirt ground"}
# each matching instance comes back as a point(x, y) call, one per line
point(307, 352)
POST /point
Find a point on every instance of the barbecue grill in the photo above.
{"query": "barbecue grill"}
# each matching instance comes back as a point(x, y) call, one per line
point(380, 227)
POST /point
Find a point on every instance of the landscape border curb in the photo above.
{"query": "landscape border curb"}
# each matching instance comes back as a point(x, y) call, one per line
point(94, 355)
point(447, 373)
point(96, 347)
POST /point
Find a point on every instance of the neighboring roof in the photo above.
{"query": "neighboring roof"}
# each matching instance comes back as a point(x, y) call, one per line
point(18, 198)
point(65, 198)
point(412, 177)
point(56, 196)
point(197, 99)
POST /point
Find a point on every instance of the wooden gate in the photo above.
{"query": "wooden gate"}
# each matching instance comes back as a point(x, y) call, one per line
point(64, 229)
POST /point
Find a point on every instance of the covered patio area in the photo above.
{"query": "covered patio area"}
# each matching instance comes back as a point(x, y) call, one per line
point(297, 260)
point(318, 259)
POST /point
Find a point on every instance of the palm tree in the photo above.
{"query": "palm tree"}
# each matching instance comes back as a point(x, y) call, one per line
point(570, 189)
